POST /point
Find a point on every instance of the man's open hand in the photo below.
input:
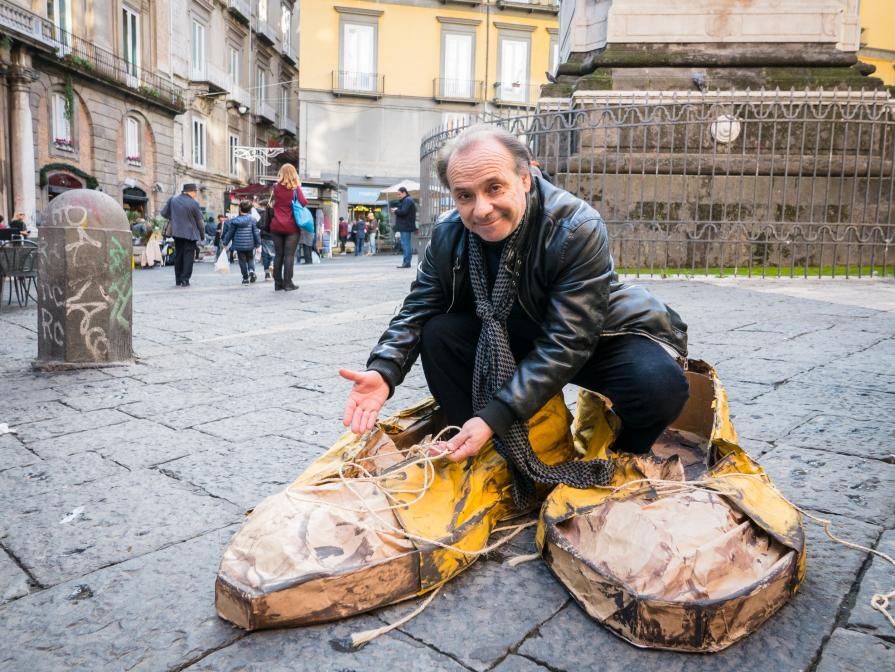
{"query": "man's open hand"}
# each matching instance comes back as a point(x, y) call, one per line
point(365, 399)
point(469, 440)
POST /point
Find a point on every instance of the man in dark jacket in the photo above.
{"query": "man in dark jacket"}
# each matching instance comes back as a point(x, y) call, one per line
point(405, 224)
point(187, 228)
point(515, 298)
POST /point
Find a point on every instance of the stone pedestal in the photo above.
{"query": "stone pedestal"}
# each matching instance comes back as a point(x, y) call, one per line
point(85, 284)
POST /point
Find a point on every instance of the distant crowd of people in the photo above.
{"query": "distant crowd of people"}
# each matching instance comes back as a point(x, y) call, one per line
point(270, 231)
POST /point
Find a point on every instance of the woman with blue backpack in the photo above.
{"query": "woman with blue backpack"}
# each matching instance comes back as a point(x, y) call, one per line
point(244, 235)
point(283, 227)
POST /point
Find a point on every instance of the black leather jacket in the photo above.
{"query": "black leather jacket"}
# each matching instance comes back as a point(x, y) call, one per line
point(567, 284)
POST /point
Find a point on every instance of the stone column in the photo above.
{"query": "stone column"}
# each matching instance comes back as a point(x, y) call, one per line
point(85, 286)
point(21, 146)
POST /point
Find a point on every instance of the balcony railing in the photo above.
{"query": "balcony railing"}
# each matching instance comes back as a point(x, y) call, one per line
point(458, 90)
point(551, 6)
point(241, 9)
point(289, 53)
point(265, 112)
point(212, 76)
point(515, 93)
point(85, 57)
point(288, 125)
point(239, 96)
point(266, 32)
point(349, 83)
point(26, 24)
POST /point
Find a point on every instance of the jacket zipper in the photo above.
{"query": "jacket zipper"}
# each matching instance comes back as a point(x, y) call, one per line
point(453, 282)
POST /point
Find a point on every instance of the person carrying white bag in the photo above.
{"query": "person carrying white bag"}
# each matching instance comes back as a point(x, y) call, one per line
point(245, 237)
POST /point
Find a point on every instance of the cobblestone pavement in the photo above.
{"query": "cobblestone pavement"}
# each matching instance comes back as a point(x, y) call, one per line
point(122, 485)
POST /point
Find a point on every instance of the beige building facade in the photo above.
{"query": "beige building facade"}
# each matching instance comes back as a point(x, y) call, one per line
point(86, 100)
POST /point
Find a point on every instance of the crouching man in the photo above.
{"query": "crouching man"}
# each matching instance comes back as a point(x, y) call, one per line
point(516, 297)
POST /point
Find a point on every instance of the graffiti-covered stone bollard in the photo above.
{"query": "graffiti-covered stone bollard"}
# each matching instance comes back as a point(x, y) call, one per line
point(84, 285)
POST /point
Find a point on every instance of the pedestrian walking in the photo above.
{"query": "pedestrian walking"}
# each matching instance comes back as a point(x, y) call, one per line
point(245, 238)
point(218, 232)
point(360, 229)
point(343, 234)
point(185, 221)
point(372, 229)
point(405, 224)
point(283, 229)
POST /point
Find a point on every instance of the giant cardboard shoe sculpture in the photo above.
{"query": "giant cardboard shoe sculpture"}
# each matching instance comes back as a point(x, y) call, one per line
point(662, 563)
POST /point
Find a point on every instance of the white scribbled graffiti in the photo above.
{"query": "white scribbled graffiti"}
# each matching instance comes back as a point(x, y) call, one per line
point(95, 338)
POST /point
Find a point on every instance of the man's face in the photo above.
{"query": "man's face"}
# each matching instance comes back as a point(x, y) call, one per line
point(487, 189)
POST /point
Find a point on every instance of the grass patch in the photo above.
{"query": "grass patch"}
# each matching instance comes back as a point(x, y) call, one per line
point(757, 271)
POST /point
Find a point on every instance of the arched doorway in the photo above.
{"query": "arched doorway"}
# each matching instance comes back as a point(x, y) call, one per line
point(59, 183)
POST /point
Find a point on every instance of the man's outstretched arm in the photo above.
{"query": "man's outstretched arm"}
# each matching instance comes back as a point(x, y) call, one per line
point(365, 399)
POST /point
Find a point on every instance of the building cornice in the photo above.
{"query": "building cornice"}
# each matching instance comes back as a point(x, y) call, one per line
point(458, 22)
point(341, 9)
point(518, 27)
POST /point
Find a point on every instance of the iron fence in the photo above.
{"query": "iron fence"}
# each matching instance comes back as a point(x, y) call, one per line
point(791, 183)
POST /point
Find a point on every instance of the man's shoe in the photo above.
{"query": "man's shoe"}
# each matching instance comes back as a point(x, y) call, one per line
point(403, 266)
point(245, 281)
point(290, 287)
point(185, 283)
point(252, 276)
point(266, 276)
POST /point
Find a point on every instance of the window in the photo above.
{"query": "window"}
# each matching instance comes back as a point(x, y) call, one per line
point(554, 53)
point(457, 64)
point(233, 65)
point(130, 44)
point(198, 51)
point(262, 11)
point(233, 163)
point(513, 69)
point(132, 141)
point(59, 14)
point(358, 57)
point(261, 85)
point(61, 125)
point(199, 144)
point(286, 26)
point(284, 104)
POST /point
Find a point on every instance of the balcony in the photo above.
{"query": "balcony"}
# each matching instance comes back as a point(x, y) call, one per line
point(516, 94)
point(266, 32)
point(213, 77)
point(288, 125)
point(468, 3)
point(531, 6)
point(239, 96)
point(457, 90)
point(27, 26)
point(289, 53)
point(240, 9)
point(363, 84)
point(264, 113)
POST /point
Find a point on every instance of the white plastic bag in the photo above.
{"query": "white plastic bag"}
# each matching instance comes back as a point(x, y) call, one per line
point(315, 258)
point(222, 265)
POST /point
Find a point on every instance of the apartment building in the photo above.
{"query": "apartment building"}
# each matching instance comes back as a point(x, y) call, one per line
point(878, 38)
point(241, 70)
point(377, 75)
point(86, 100)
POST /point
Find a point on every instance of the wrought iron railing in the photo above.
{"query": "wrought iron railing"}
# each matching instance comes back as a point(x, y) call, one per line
point(767, 183)
point(358, 83)
point(467, 90)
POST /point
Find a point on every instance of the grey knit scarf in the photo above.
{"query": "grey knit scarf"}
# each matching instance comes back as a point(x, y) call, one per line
point(495, 365)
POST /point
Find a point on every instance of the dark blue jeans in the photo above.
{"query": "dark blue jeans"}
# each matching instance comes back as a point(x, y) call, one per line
point(647, 387)
point(405, 246)
point(358, 246)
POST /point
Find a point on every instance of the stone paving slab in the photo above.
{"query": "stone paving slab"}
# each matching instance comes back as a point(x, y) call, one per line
point(247, 426)
point(485, 611)
point(21, 412)
point(151, 613)
point(73, 422)
point(850, 486)
point(838, 373)
point(13, 581)
point(758, 369)
point(790, 640)
point(312, 648)
point(514, 663)
point(839, 434)
point(245, 474)
point(67, 532)
point(878, 579)
point(854, 402)
point(763, 421)
point(14, 454)
point(832, 344)
point(849, 651)
point(135, 443)
point(56, 474)
point(114, 393)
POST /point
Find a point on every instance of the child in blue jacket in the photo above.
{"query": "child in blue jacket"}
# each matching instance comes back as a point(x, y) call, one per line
point(246, 237)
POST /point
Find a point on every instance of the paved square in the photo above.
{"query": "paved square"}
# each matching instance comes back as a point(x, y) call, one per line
point(122, 485)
